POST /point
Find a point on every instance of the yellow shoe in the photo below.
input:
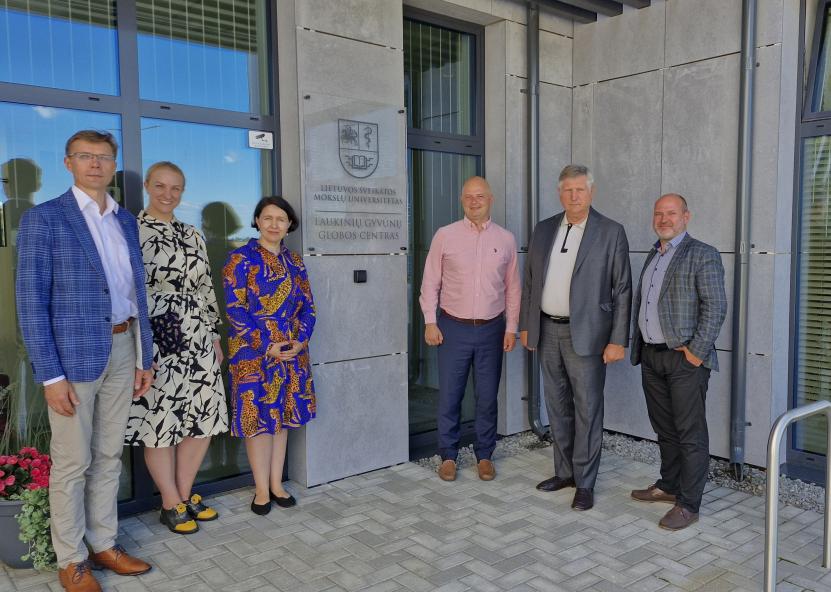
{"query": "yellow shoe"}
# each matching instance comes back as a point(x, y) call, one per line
point(199, 511)
point(178, 520)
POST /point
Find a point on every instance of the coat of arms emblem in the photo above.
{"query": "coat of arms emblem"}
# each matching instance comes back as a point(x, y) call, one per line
point(358, 147)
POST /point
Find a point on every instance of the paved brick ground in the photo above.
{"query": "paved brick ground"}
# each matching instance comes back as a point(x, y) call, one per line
point(404, 529)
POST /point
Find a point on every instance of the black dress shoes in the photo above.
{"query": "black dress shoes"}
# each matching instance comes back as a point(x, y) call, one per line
point(283, 502)
point(260, 509)
point(583, 499)
point(555, 484)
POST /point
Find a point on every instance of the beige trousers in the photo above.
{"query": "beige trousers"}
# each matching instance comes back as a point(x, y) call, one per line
point(86, 457)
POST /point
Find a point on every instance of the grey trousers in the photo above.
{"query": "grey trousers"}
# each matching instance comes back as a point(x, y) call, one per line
point(86, 457)
point(573, 388)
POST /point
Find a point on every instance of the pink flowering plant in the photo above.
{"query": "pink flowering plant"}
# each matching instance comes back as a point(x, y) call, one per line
point(25, 476)
point(26, 470)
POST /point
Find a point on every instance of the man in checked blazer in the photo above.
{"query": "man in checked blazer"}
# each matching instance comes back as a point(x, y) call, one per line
point(575, 309)
point(83, 315)
point(679, 308)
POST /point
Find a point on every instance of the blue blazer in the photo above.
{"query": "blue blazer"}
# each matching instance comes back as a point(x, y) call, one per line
point(63, 301)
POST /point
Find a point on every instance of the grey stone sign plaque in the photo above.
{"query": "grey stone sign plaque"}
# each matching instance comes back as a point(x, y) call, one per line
point(355, 177)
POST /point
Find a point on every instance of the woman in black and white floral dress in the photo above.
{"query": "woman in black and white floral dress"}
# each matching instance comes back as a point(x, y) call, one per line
point(186, 404)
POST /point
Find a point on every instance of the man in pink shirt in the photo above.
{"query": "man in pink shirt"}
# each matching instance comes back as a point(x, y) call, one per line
point(470, 297)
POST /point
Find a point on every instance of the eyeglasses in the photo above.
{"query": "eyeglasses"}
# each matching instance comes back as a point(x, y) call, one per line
point(88, 157)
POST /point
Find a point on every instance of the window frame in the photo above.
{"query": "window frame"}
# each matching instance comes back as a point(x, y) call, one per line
point(474, 144)
point(422, 443)
point(128, 105)
point(799, 463)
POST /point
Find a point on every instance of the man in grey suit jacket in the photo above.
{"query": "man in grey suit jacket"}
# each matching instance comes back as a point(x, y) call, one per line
point(575, 309)
point(680, 306)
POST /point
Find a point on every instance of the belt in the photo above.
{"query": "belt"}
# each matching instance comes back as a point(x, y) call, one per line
point(656, 346)
point(558, 320)
point(122, 327)
point(474, 322)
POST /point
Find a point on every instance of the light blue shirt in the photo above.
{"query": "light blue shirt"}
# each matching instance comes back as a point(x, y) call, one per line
point(653, 278)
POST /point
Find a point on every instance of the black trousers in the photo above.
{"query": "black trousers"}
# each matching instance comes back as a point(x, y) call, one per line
point(675, 399)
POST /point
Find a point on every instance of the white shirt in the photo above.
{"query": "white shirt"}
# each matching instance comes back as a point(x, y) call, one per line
point(556, 289)
point(112, 249)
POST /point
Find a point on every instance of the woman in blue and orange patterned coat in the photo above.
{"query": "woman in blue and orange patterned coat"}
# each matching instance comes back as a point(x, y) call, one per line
point(271, 316)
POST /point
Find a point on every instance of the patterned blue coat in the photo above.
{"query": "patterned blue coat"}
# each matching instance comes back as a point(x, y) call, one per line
point(63, 301)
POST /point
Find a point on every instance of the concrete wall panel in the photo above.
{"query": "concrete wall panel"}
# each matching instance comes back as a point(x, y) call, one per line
point(627, 44)
point(361, 422)
point(513, 411)
point(709, 28)
point(555, 59)
point(328, 65)
point(495, 111)
point(555, 143)
point(515, 49)
point(702, 29)
point(758, 411)
point(627, 149)
point(760, 305)
point(375, 21)
point(765, 150)
point(582, 124)
point(516, 150)
point(472, 11)
point(700, 143)
point(358, 320)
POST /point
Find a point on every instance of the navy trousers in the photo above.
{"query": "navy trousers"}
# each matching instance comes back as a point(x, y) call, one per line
point(464, 346)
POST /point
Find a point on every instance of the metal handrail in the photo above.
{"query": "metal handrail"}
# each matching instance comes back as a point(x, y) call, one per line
point(772, 497)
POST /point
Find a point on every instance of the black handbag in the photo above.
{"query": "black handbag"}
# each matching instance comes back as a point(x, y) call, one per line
point(167, 333)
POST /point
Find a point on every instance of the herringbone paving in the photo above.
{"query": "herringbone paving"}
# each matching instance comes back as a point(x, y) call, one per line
point(402, 529)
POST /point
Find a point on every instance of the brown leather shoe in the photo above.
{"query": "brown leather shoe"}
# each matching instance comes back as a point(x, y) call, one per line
point(653, 493)
point(486, 469)
point(117, 560)
point(447, 470)
point(678, 518)
point(77, 577)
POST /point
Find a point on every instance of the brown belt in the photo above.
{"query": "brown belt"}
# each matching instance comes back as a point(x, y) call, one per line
point(474, 322)
point(122, 327)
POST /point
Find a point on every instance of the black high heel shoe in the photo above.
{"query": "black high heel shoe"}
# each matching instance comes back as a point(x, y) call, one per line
point(283, 502)
point(260, 509)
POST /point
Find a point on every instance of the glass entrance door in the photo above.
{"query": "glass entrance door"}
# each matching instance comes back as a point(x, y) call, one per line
point(442, 80)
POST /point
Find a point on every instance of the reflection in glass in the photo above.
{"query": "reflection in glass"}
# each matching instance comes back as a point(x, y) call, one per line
point(208, 54)
point(225, 179)
point(60, 44)
point(822, 92)
point(32, 142)
point(813, 379)
point(436, 180)
point(438, 78)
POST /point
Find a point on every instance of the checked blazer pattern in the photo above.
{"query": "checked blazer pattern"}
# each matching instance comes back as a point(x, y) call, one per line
point(63, 300)
point(692, 303)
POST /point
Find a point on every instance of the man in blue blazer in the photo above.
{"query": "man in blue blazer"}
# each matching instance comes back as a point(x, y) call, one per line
point(679, 308)
point(83, 315)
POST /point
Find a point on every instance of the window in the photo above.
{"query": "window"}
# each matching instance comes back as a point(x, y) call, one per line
point(205, 54)
point(811, 377)
point(181, 81)
point(60, 44)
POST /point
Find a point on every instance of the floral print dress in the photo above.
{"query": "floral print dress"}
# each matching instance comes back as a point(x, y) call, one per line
point(268, 299)
point(187, 397)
